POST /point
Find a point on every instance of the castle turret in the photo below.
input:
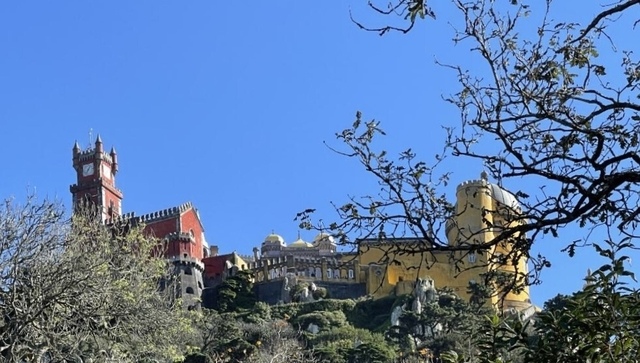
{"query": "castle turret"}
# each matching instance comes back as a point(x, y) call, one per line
point(99, 148)
point(76, 154)
point(114, 160)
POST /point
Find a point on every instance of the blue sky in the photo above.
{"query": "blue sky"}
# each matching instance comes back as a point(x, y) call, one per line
point(225, 104)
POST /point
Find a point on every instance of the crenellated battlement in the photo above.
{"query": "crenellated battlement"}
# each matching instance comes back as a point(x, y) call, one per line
point(247, 258)
point(186, 261)
point(472, 183)
point(165, 213)
point(180, 236)
point(185, 206)
point(124, 218)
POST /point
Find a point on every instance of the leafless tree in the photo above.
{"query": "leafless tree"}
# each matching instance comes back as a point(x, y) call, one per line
point(552, 103)
point(72, 289)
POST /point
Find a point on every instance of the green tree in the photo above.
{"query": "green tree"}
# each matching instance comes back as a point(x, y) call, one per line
point(448, 324)
point(348, 344)
point(236, 292)
point(598, 324)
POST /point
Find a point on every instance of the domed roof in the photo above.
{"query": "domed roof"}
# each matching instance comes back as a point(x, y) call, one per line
point(274, 238)
point(504, 197)
point(321, 237)
point(300, 243)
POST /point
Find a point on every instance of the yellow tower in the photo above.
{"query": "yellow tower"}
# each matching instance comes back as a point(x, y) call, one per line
point(483, 209)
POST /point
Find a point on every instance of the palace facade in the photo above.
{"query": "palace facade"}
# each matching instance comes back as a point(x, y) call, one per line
point(379, 267)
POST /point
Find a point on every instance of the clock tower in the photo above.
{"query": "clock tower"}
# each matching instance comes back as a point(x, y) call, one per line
point(96, 183)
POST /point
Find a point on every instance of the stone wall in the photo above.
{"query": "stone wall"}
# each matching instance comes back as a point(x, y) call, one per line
point(270, 292)
point(343, 290)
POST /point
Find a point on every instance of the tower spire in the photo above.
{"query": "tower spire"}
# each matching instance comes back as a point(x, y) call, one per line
point(99, 144)
point(114, 159)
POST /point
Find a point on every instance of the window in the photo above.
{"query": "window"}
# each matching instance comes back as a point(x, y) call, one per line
point(471, 257)
point(189, 290)
point(187, 271)
point(329, 273)
point(350, 274)
point(199, 285)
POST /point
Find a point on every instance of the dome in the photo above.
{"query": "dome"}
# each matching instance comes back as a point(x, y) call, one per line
point(321, 237)
point(504, 197)
point(299, 243)
point(274, 238)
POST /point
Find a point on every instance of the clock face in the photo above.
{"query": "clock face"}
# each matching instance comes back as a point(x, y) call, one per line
point(106, 171)
point(87, 169)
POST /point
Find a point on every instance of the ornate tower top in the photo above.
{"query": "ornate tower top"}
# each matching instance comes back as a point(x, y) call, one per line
point(95, 175)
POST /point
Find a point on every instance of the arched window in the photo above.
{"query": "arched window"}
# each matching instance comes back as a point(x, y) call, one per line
point(187, 271)
point(329, 273)
point(189, 290)
point(350, 274)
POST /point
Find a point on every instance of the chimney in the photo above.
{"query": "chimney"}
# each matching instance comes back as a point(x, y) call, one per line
point(214, 250)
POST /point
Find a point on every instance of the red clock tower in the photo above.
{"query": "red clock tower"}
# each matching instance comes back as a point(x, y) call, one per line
point(96, 183)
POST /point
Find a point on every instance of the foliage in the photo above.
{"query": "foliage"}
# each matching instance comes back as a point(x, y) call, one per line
point(349, 344)
point(226, 338)
point(323, 319)
point(75, 289)
point(448, 324)
point(236, 292)
point(599, 323)
point(292, 310)
point(372, 314)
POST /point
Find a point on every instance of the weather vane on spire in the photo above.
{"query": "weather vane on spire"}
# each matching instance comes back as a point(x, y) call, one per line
point(90, 137)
